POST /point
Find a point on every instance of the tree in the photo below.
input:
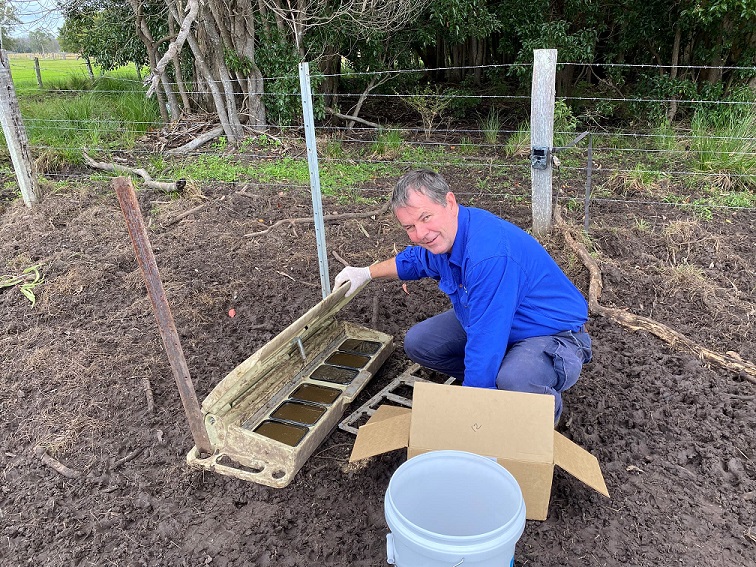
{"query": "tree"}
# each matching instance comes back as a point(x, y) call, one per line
point(42, 41)
point(8, 19)
point(457, 36)
point(322, 31)
point(102, 33)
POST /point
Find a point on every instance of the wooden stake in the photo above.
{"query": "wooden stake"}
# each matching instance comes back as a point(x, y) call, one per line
point(15, 135)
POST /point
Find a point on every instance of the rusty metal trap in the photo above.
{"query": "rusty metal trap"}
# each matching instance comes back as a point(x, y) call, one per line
point(267, 416)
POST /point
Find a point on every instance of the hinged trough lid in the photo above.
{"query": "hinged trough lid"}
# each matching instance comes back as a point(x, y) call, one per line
point(267, 416)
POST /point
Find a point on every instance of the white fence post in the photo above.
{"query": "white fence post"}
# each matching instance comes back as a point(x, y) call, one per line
point(542, 96)
point(15, 135)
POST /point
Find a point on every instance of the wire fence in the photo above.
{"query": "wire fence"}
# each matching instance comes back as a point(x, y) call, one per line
point(646, 162)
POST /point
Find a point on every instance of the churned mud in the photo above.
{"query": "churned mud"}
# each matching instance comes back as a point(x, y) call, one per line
point(85, 378)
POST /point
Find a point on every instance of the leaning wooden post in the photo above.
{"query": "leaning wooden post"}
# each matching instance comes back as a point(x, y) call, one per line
point(542, 136)
point(38, 73)
point(15, 135)
point(138, 233)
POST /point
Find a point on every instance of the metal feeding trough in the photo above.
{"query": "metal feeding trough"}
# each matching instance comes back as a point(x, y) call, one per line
point(267, 416)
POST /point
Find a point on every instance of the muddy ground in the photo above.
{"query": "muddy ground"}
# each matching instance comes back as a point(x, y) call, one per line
point(674, 436)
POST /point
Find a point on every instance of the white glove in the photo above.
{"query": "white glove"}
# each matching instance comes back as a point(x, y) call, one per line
point(355, 276)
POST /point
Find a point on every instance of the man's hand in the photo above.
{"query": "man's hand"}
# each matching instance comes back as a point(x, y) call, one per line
point(355, 276)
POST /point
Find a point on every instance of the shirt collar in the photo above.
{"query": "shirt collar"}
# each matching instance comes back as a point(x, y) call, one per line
point(460, 239)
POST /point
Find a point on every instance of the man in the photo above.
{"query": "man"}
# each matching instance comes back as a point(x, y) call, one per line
point(517, 321)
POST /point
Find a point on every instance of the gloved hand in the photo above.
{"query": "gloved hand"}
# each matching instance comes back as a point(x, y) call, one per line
point(355, 276)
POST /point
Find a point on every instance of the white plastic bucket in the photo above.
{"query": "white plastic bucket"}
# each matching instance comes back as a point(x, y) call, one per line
point(447, 508)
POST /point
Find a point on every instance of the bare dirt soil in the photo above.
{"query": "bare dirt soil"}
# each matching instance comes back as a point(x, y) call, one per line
point(675, 437)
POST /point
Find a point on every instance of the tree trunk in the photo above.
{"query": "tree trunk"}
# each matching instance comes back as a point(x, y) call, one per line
point(187, 105)
point(243, 37)
point(357, 107)
point(478, 47)
point(152, 58)
point(89, 68)
point(714, 73)
point(672, 110)
point(330, 66)
point(207, 77)
point(149, 44)
point(219, 69)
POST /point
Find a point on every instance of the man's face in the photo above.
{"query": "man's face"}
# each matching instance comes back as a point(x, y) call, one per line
point(429, 224)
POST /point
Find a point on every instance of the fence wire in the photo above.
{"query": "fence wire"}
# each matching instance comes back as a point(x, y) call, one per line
point(497, 154)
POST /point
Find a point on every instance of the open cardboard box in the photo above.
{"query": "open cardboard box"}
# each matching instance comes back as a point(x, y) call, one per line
point(514, 428)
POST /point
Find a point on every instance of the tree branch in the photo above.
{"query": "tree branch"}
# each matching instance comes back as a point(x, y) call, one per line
point(348, 118)
point(196, 142)
point(55, 464)
point(148, 181)
point(175, 47)
point(305, 220)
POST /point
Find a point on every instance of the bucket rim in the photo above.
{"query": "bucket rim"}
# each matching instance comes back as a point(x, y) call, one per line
point(517, 521)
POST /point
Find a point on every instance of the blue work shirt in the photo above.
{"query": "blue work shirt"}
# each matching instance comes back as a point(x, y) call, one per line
point(503, 285)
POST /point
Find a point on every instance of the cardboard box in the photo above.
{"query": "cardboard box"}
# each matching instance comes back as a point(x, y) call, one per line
point(515, 429)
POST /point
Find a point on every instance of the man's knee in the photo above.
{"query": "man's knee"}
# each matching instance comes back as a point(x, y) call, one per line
point(413, 344)
point(510, 381)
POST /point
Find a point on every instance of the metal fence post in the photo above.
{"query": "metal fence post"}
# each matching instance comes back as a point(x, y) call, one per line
point(312, 164)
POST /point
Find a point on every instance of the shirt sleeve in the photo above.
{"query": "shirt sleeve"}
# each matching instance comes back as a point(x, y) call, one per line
point(414, 263)
point(493, 293)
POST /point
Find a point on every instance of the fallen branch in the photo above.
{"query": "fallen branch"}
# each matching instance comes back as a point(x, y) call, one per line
point(130, 456)
point(305, 220)
point(339, 258)
point(185, 214)
point(731, 362)
point(55, 464)
point(348, 118)
point(196, 142)
point(148, 181)
point(296, 280)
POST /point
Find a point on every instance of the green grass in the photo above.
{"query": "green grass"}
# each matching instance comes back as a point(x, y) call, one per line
point(665, 137)
point(490, 126)
point(335, 177)
point(73, 112)
point(518, 143)
point(388, 142)
point(53, 72)
point(724, 147)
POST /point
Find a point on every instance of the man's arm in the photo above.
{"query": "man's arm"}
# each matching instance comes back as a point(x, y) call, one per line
point(356, 277)
point(385, 270)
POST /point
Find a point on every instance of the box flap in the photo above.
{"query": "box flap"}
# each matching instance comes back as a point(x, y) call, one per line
point(494, 423)
point(386, 430)
point(579, 463)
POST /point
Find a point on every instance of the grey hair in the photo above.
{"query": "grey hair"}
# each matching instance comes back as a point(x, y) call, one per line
point(429, 183)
